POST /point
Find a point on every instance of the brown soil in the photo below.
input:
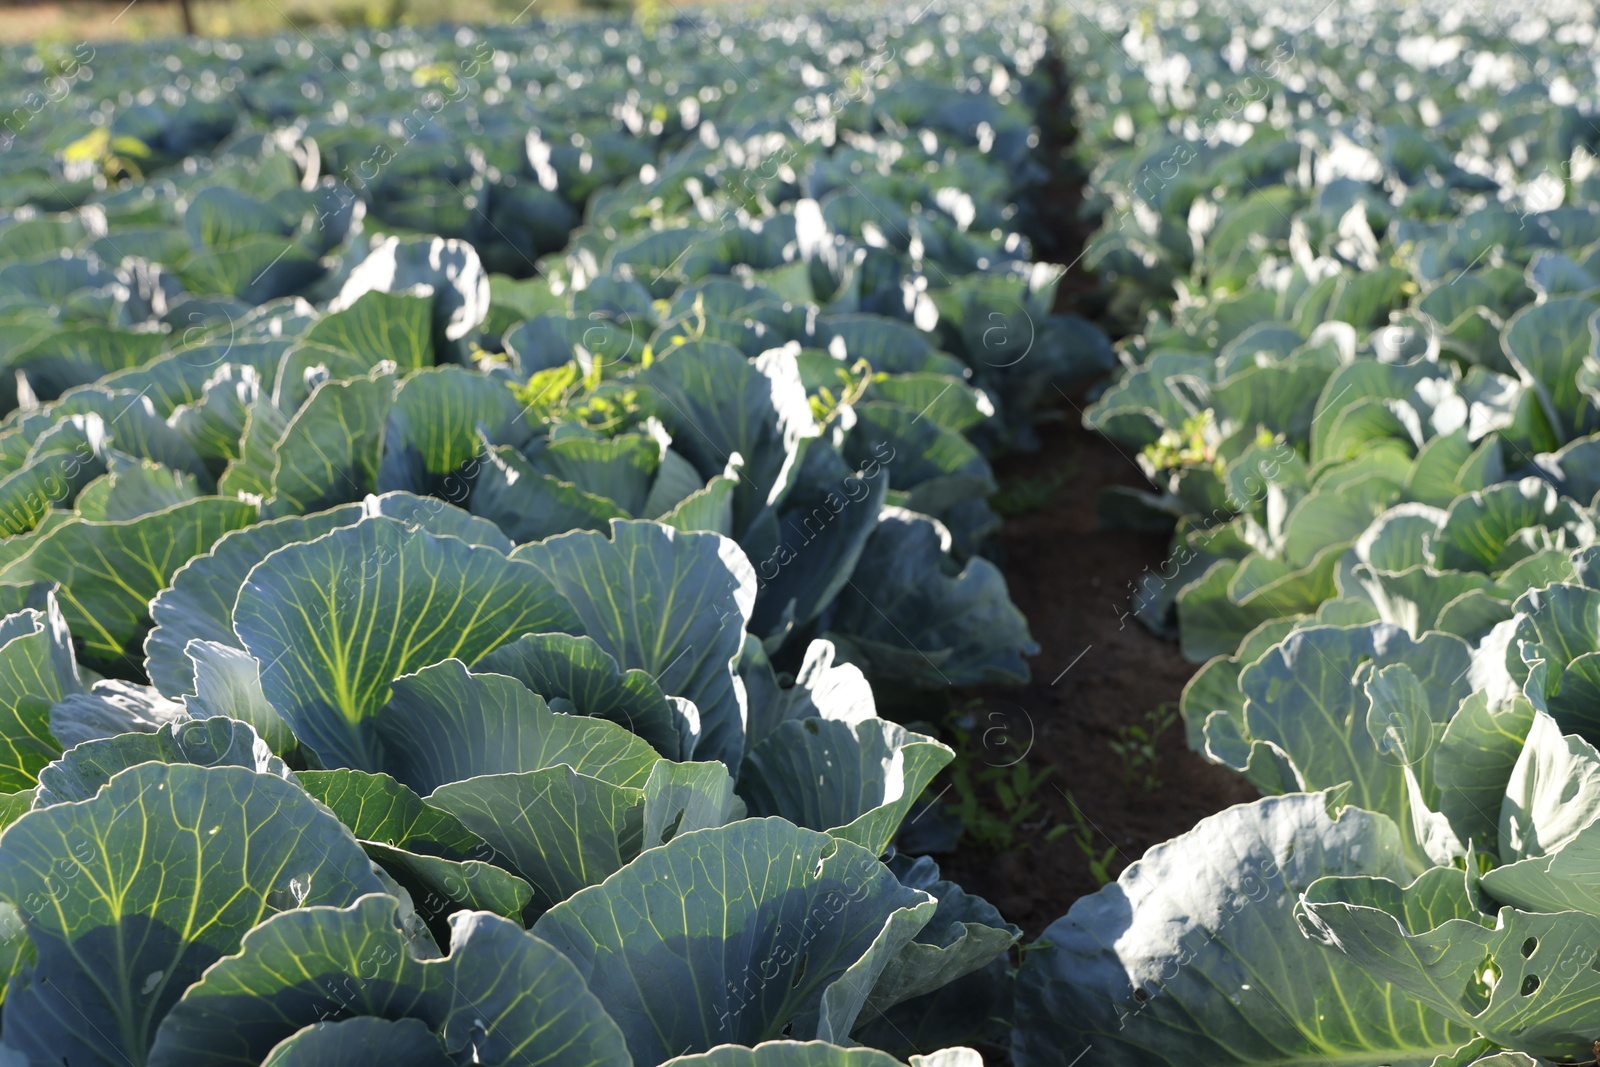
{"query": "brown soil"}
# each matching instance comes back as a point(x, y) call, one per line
point(1096, 673)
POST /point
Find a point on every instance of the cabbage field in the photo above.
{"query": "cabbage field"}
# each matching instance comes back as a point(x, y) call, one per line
point(491, 513)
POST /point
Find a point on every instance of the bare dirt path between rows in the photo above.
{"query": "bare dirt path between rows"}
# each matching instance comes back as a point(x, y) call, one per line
point(1096, 674)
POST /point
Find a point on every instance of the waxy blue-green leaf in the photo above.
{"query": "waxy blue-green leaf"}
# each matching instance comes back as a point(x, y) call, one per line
point(716, 403)
point(855, 780)
point(965, 934)
point(1548, 843)
point(336, 620)
point(16, 951)
point(330, 451)
point(181, 377)
point(737, 935)
point(134, 488)
point(575, 674)
point(443, 724)
point(442, 864)
point(111, 707)
point(56, 276)
point(1358, 705)
point(227, 682)
point(1417, 598)
point(501, 997)
point(52, 479)
point(620, 469)
point(129, 423)
point(30, 239)
point(449, 269)
point(1452, 464)
point(669, 603)
point(1215, 687)
point(110, 571)
point(176, 864)
point(1193, 955)
point(676, 481)
point(434, 430)
point(530, 506)
point(81, 771)
point(513, 301)
point(308, 364)
point(1575, 467)
point(974, 1009)
point(912, 622)
point(556, 828)
point(1281, 397)
point(942, 399)
point(1136, 409)
point(932, 463)
point(362, 1039)
point(1484, 530)
point(199, 602)
point(889, 345)
point(1477, 754)
point(250, 472)
point(1231, 600)
point(215, 424)
point(14, 596)
point(1361, 382)
point(218, 217)
point(78, 355)
point(1549, 342)
point(706, 510)
point(822, 688)
point(378, 326)
point(806, 553)
point(1333, 514)
point(37, 671)
point(256, 268)
point(817, 1054)
point(1557, 634)
point(1519, 979)
point(680, 797)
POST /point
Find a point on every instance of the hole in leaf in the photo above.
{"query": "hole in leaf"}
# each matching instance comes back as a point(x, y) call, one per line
point(1530, 985)
point(1594, 964)
point(799, 972)
point(1529, 946)
point(1141, 995)
point(1480, 986)
point(670, 831)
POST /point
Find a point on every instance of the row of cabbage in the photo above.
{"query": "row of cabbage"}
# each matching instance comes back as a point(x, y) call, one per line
point(1384, 307)
point(461, 490)
point(1357, 246)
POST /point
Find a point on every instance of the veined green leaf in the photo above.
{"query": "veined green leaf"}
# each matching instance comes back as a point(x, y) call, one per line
point(336, 620)
point(732, 935)
point(502, 996)
point(110, 571)
point(175, 865)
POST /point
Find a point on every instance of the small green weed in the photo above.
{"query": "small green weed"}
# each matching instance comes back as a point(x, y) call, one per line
point(1135, 746)
point(994, 802)
point(1084, 835)
point(1024, 495)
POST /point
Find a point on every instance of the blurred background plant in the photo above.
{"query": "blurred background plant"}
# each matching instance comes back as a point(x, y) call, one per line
point(47, 23)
